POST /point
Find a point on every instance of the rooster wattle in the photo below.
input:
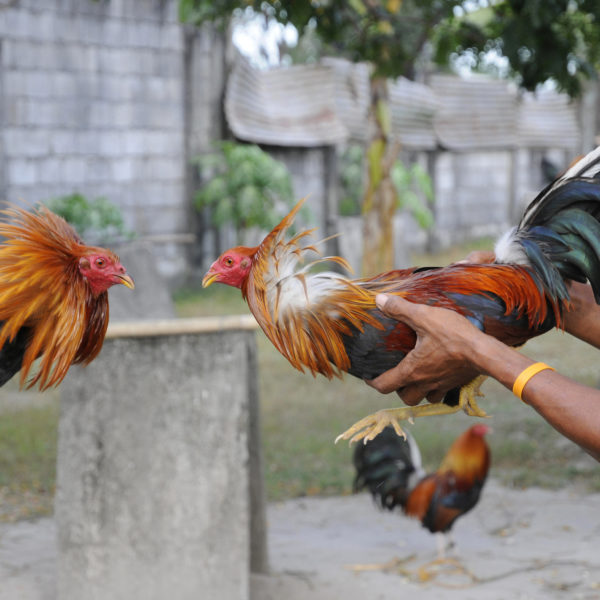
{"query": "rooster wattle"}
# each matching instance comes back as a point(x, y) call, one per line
point(329, 324)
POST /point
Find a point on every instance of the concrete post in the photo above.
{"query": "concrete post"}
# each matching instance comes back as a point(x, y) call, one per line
point(153, 474)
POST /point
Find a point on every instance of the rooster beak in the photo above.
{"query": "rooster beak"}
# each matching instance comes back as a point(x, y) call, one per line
point(126, 280)
point(209, 279)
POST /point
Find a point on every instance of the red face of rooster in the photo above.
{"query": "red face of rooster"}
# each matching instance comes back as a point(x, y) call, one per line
point(103, 271)
point(231, 268)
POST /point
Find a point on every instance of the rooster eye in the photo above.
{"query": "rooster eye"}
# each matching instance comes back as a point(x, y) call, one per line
point(100, 262)
point(228, 261)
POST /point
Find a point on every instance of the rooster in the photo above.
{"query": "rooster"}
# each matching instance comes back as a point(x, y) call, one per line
point(328, 323)
point(390, 468)
point(53, 296)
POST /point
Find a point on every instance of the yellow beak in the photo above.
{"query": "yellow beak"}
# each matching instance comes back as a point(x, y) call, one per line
point(127, 281)
point(209, 279)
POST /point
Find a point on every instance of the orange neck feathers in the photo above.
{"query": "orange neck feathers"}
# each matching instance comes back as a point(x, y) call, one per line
point(468, 457)
point(41, 288)
point(304, 314)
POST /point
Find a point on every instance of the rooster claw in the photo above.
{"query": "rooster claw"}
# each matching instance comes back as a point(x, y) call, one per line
point(371, 426)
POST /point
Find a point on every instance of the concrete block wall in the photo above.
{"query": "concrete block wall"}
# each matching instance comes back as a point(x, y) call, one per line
point(473, 192)
point(94, 99)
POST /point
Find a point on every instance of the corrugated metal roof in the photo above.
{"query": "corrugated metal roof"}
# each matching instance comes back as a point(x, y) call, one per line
point(548, 119)
point(413, 107)
point(291, 106)
point(318, 105)
point(478, 112)
point(351, 94)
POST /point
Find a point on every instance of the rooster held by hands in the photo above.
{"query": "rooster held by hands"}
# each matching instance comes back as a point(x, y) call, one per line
point(53, 296)
point(329, 324)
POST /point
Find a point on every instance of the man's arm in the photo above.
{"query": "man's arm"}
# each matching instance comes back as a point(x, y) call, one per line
point(583, 317)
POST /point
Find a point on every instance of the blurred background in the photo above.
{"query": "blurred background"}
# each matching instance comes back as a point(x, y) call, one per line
point(417, 130)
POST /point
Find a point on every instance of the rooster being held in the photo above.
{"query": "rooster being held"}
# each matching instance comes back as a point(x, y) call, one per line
point(53, 296)
point(329, 324)
point(390, 468)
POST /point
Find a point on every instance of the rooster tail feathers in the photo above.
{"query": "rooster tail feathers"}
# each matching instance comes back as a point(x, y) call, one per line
point(389, 467)
point(559, 234)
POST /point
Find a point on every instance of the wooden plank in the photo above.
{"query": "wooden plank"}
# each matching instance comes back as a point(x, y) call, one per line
point(181, 326)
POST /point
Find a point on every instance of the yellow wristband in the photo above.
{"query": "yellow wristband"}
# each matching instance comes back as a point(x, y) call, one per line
point(525, 375)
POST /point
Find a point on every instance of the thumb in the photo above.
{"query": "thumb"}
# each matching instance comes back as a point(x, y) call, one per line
point(396, 307)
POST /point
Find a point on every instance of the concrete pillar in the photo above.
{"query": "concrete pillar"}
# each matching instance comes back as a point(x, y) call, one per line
point(153, 482)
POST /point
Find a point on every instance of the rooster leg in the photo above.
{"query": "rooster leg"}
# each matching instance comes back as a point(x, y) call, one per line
point(467, 396)
point(371, 426)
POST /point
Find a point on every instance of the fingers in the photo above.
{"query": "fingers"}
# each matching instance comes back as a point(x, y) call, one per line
point(435, 396)
point(397, 308)
point(389, 381)
point(478, 257)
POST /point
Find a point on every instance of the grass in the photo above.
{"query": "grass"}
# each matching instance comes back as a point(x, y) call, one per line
point(302, 415)
point(28, 442)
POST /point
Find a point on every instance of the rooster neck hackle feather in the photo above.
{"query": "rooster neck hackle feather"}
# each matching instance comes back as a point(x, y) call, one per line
point(41, 288)
point(469, 455)
point(305, 314)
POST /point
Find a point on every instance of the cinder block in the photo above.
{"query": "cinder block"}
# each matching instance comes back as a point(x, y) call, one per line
point(124, 170)
point(26, 142)
point(73, 170)
point(48, 170)
point(21, 171)
point(134, 142)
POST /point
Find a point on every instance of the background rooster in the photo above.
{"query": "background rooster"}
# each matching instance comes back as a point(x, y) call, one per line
point(329, 324)
point(389, 466)
point(53, 296)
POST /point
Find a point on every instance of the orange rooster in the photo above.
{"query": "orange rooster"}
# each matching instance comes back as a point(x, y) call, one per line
point(390, 468)
point(329, 324)
point(53, 296)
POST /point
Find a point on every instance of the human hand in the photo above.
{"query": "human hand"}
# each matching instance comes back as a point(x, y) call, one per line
point(478, 257)
point(440, 360)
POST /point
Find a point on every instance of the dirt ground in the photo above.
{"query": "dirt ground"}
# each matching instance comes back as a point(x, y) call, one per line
point(518, 545)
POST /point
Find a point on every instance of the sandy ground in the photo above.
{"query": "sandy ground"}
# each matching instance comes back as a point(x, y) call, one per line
point(519, 544)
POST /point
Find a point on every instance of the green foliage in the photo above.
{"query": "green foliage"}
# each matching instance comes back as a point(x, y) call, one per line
point(542, 40)
point(415, 191)
point(390, 34)
point(352, 173)
point(244, 186)
point(96, 221)
point(412, 184)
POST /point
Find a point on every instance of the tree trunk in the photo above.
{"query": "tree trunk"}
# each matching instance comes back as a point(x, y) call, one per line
point(379, 204)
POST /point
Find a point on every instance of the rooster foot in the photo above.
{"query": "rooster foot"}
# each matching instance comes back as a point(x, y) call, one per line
point(371, 426)
point(395, 565)
point(448, 567)
point(467, 396)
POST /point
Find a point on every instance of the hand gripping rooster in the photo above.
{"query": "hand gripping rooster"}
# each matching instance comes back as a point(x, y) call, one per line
point(53, 296)
point(328, 323)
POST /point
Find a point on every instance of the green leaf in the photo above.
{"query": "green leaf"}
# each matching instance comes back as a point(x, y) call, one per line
point(244, 186)
point(99, 220)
